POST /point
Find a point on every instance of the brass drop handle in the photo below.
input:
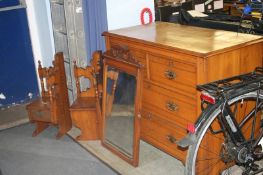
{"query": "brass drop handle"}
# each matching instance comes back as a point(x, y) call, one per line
point(171, 75)
point(171, 138)
point(171, 106)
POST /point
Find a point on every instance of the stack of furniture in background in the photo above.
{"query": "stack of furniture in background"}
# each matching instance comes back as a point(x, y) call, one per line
point(237, 16)
point(164, 11)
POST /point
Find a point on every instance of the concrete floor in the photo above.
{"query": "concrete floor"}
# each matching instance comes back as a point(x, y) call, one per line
point(152, 160)
point(21, 154)
point(13, 116)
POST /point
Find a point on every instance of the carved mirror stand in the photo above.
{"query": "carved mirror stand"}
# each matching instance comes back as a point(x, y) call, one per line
point(121, 104)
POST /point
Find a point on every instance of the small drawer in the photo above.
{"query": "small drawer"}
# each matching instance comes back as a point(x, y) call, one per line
point(162, 134)
point(172, 106)
point(173, 73)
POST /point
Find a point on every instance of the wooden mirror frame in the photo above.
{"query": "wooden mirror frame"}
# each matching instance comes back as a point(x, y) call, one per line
point(121, 59)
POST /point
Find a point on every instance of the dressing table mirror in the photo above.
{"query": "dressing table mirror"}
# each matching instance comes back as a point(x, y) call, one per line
point(121, 104)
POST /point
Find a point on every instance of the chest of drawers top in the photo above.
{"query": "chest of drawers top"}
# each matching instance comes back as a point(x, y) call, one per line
point(187, 39)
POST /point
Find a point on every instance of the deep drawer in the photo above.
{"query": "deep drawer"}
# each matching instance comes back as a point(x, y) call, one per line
point(173, 106)
point(172, 73)
point(162, 134)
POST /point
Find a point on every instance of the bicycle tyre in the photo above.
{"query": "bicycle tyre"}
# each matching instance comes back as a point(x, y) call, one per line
point(212, 111)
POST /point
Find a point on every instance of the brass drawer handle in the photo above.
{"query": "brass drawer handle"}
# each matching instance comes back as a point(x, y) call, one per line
point(171, 106)
point(171, 75)
point(171, 138)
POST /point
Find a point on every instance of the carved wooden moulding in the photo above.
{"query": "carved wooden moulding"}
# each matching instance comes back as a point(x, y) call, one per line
point(122, 53)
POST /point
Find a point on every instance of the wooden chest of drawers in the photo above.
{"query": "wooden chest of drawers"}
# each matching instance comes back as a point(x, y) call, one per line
point(176, 59)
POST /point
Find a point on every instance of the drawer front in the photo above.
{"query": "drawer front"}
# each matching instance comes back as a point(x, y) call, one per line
point(173, 73)
point(172, 106)
point(162, 134)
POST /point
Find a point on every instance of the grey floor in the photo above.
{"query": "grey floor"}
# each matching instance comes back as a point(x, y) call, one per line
point(21, 154)
point(12, 114)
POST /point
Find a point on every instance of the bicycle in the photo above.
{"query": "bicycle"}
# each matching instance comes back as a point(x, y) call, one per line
point(226, 137)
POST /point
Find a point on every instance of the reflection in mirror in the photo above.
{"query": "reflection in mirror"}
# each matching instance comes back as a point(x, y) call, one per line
point(119, 116)
point(84, 83)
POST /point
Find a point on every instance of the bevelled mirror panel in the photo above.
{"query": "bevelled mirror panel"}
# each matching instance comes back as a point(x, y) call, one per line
point(120, 110)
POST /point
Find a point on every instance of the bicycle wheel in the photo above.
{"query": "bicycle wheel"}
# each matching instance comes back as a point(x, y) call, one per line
point(214, 153)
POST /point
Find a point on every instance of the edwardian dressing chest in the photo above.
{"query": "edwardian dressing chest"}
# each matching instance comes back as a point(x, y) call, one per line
point(176, 59)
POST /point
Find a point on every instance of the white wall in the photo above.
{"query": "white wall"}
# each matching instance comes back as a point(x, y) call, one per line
point(126, 13)
point(41, 34)
point(40, 26)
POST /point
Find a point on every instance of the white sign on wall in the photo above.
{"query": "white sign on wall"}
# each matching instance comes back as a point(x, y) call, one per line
point(126, 13)
point(209, 5)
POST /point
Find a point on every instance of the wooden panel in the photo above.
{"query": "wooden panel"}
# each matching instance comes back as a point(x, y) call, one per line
point(87, 122)
point(251, 57)
point(162, 134)
point(232, 63)
point(173, 73)
point(223, 65)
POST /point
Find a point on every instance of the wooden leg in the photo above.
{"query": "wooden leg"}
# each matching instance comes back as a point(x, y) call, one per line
point(62, 131)
point(99, 120)
point(82, 137)
point(64, 126)
point(40, 126)
point(59, 135)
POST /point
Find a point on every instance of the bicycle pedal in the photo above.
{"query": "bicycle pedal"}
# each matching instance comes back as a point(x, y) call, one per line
point(258, 153)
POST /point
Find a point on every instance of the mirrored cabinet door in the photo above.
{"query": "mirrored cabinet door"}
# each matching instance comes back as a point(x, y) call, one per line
point(119, 121)
point(121, 107)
